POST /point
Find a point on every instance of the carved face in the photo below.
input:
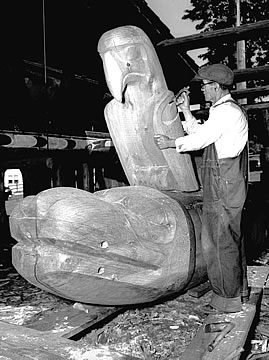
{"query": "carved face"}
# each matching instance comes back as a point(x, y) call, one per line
point(129, 57)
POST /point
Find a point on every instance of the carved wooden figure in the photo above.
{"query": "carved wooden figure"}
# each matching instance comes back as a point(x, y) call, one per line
point(141, 107)
point(124, 245)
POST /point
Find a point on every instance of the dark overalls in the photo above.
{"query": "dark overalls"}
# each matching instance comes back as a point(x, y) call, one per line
point(224, 193)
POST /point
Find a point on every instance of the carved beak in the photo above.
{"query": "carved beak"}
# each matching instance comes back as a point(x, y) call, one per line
point(119, 74)
point(113, 75)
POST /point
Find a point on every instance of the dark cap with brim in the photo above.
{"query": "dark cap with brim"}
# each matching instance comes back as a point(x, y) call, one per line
point(220, 73)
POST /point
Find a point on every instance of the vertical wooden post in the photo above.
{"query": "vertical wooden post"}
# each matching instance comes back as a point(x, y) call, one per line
point(99, 178)
point(49, 165)
point(79, 177)
point(91, 179)
point(265, 158)
point(232, 57)
point(58, 176)
point(83, 177)
point(240, 53)
point(57, 179)
point(86, 177)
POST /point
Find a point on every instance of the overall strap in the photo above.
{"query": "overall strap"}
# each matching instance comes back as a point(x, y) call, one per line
point(236, 103)
point(244, 161)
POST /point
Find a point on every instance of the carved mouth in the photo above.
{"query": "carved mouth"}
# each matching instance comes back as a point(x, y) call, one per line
point(131, 77)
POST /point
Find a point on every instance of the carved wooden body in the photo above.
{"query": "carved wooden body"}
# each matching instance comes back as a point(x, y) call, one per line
point(141, 108)
point(119, 246)
point(130, 244)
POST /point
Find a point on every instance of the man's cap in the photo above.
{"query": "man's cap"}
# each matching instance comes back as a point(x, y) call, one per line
point(220, 73)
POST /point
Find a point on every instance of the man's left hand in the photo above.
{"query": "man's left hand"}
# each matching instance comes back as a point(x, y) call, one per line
point(163, 141)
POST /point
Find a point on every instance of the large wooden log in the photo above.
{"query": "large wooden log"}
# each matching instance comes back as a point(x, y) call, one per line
point(141, 107)
point(119, 246)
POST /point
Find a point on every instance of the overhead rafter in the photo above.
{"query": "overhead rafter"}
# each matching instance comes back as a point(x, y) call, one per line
point(260, 106)
point(37, 68)
point(251, 73)
point(257, 91)
point(248, 107)
point(206, 39)
point(233, 34)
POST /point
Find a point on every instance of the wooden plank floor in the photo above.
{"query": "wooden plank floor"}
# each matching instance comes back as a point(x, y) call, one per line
point(69, 321)
point(47, 334)
point(232, 345)
point(20, 343)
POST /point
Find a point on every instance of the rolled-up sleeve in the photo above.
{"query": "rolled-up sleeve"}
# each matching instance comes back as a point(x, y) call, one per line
point(200, 136)
point(191, 125)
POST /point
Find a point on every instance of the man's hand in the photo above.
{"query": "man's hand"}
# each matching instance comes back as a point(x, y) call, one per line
point(183, 102)
point(164, 142)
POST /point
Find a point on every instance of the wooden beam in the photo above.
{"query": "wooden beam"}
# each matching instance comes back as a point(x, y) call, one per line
point(259, 106)
point(53, 73)
point(257, 91)
point(209, 38)
point(93, 141)
point(251, 73)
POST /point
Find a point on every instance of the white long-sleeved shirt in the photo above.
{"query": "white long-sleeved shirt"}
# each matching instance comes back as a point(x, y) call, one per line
point(226, 126)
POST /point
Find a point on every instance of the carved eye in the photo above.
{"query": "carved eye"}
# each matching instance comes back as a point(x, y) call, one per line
point(133, 53)
point(128, 64)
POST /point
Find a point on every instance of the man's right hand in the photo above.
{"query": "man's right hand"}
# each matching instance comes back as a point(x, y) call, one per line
point(183, 102)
